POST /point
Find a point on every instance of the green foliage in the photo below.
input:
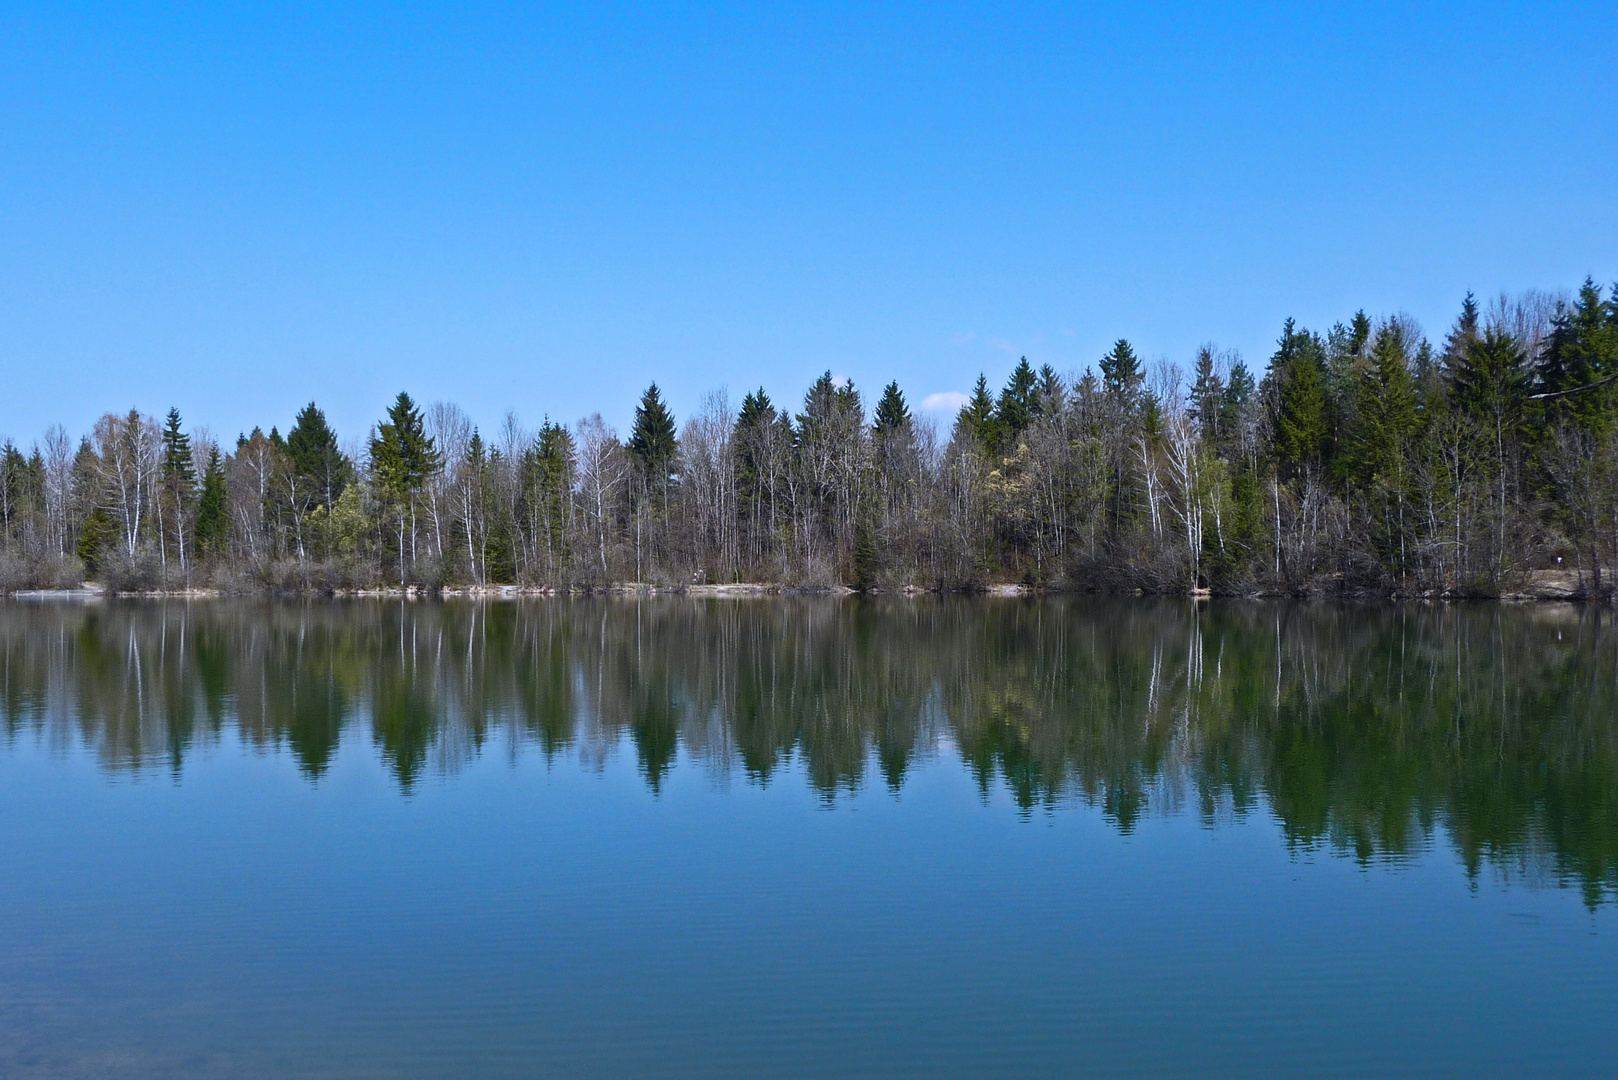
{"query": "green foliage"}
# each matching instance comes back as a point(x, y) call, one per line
point(1121, 374)
point(1489, 378)
point(977, 417)
point(865, 557)
point(97, 535)
point(312, 450)
point(1387, 410)
point(1207, 395)
point(1298, 402)
point(177, 467)
point(1579, 359)
point(213, 513)
point(652, 441)
point(403, 456)
point(1018, 404)
point(892, 414)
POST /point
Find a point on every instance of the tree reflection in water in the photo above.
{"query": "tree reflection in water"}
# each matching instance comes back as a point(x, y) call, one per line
point(1362, 729)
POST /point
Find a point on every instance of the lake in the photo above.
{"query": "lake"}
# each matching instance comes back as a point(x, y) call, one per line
point(807, 837)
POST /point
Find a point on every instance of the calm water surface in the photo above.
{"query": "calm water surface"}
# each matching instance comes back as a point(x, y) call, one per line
point(807, 838)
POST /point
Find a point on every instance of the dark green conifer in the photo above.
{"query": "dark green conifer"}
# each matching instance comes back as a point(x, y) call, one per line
point(312, 449)
point(1018, 404)
point(652, 441)
point(1121, 375)
point(212, 514)
point(977, 416)
point(1298, 409)
point(1051, 397)
point(1207, 394)
point(178, 468)
point(892, 414)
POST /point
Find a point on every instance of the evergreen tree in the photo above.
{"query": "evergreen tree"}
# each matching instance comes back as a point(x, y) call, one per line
point(1488, 379)
point(1018, 404)
point(977, 417)
point(13, 488)
point(97, 534)
point(1462, 336)
point(1298, 401)
point(213, 522)
point(553, 463)
point(1121, 374)
point(1382, 443)
point(178, 482)
point(177, 465)
point(403, 456)
point(755, 425)
point(312, 450)
point(1387, 408)
point(1207, 395)
point(892, 414)
point(1051, 397)
point(652, 441)
point(1579, 364)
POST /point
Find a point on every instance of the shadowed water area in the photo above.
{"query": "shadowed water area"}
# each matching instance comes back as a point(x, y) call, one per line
point(807, 837)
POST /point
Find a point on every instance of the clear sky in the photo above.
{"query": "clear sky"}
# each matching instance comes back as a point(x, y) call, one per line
point(234, 209)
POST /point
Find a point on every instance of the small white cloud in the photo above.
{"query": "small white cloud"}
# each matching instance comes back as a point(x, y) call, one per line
point(963, 339)
point(948, 401)
point(1002, 345)
point(1068, 333)
point(839, 381)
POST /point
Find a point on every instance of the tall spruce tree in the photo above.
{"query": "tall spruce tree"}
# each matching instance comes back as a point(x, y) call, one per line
point(977, 417)
point(1121, 374)
point(403, 457)
point(178, 479)
point(177, 451)
point(1298, 401)
point(1578, 368)
point(653, 443)
point(892, 414)
point(312, 450)
point(1018, 404)
point(1207, 395)
point(213, 521)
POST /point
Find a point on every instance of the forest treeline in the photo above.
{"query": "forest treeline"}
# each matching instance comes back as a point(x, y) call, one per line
point(1365, 458)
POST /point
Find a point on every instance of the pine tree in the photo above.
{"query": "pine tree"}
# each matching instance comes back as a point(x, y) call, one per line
point(977, 417)
point(1207, 395)
point(652, 441)
point(1579, 364)
point(13, 484)
point(1462, 335)
point(1121, 375)
point(403, 456)
point(1382, 442)
point(312, 449)
point(1018, 404)
point(1298, 409)
point(1387, 408)
point(213, 522)
point(179, 481)
point(892, 414)
point(553, 463)
point(177, 451)
point(1051, 397)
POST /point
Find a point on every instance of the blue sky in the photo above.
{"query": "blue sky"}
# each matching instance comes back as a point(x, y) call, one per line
point(234, 211)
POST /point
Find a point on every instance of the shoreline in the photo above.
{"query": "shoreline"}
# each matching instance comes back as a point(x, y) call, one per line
point(1541, 587)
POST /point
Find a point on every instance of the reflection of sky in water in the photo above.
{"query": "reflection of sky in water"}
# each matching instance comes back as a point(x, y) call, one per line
point(1362, 730)
point(805, 838)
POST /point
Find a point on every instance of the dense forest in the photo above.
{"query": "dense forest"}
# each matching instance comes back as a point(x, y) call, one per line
point(1364, 459)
